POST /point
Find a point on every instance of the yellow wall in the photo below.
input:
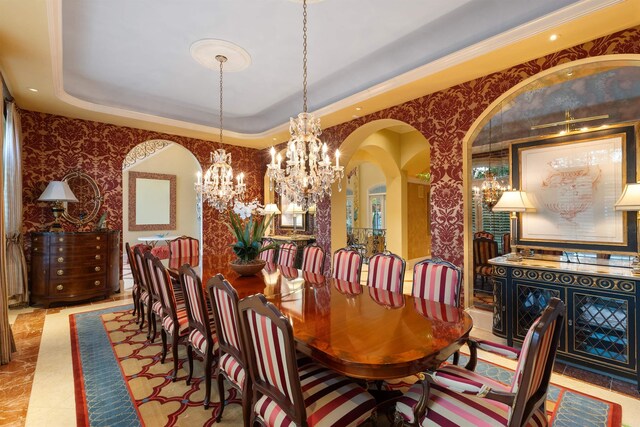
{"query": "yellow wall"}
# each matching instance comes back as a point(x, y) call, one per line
point(419, 234)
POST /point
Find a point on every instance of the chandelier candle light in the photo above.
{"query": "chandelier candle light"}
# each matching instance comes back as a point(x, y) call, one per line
point(218, 188)
point(308, 173)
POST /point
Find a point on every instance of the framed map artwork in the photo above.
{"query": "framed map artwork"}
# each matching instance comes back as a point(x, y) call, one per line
point(574, 182)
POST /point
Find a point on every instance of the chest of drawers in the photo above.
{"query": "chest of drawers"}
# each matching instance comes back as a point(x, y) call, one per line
point(68, 267)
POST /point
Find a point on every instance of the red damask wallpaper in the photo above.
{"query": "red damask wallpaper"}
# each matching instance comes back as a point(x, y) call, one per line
point(56, 145)
point(444, 118)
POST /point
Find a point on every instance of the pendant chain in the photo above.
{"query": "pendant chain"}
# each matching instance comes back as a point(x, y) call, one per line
point(221, 63)
point(304, 56)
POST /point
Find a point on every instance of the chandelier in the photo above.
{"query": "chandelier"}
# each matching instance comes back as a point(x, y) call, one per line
point(218, 188)
point(491, 190)
point(308, 171)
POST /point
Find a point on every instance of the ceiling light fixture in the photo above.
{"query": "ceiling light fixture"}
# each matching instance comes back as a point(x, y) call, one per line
point(33, 89)
point(218, 188)
point(553, 37)
point(358, 108)
point(308, 173)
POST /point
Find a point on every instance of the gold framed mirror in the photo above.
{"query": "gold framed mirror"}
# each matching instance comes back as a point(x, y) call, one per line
point(86, 190)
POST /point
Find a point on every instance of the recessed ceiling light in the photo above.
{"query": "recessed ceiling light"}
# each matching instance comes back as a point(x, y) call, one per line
point(358, 108)
point(553, 37)
point(584, 129)
point(275, 139)
point(569, 73)
point(32, 89)
point(355, 116)
point(562, 132)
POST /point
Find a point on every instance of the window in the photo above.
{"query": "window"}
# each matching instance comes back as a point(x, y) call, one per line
point(377, 207)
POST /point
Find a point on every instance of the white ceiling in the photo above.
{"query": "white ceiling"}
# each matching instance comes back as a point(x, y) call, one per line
point(134, 55)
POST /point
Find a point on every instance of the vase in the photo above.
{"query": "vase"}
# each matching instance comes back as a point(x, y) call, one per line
point(248, 269)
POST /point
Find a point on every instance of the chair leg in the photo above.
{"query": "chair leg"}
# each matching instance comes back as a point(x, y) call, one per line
point(174, 351)
point(163, 336)
point(154, 324)
point(151, 318)
point(208, 362)
point(456, 358)
point(190, 359)
point(135, 304)
point(141, 314)
point(220, 381)
point(246, 404)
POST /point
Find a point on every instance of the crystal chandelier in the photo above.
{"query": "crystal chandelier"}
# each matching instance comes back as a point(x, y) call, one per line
point(491, 190)
point(308, 172)
point(218, 188)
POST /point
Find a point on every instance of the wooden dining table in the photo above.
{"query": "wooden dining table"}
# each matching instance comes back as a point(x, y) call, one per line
point(356, 330)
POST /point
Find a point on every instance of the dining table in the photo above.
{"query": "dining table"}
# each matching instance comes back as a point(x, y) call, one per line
point(359, 331)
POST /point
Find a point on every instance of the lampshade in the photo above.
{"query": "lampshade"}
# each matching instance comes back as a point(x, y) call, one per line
point(513, 201)
point(272, 209)
point(294, 208)
point(630, 198)
point(312, 209)
point(57, 191)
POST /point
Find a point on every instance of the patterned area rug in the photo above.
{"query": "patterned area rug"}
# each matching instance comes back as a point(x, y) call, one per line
point(120, 382)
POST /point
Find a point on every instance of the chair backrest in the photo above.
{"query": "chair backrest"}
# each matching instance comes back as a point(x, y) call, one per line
point(386, 271)
point(270, 254)
point(167, 295)
point(132, 264)
point(176, 263)
point(347, 265)
point(195, 304)
point(154, 284)
point(436, 310)
point(437, 280)
point(314, 278)
point(271, 356)
point(184, 246)
point(506, 243)
point(387, 298)
point(533, 372)
point(483, 235)
point(224, 302)
point(141, 267)
point(484, 250)
point(287, 254)
point(347, 288)
point(313, 259)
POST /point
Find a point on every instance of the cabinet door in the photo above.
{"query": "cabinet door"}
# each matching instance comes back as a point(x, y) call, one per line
point(530, 299)
point(499, 306)
point(602, 327)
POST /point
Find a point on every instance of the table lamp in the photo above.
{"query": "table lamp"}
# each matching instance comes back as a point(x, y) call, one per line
point(57, 192)
point(271, 209)
point(294, 209)
point(513, 201)
point(630, 201)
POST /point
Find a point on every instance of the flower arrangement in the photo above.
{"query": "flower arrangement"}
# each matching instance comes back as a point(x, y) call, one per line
point(248, 231)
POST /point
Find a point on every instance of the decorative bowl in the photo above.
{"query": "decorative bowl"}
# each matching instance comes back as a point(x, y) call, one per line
point(248, 269)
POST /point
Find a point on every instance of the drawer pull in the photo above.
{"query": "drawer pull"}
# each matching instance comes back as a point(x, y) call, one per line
point(98, 238)
point(97, 247)
point(61, 239)
point(98, 257)
point(97, 283)
point(35, 249)
point(60, 272)
point(60, 259)
point(35, 239)
point(59, 287)
point(97, 268)
point(60, 249)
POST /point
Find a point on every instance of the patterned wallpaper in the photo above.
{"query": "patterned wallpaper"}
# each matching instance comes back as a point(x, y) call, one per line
point(55, 145)
point(444, 118)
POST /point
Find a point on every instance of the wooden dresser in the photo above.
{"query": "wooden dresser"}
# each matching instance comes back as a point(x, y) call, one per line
point(68, 267)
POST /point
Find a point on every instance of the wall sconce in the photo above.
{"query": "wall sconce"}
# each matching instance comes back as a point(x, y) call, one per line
point(513, 201)
point(630, 201)
point(57, 192)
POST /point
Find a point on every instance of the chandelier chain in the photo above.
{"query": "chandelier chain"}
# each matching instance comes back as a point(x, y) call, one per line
point(221, 60)
point(304, 56)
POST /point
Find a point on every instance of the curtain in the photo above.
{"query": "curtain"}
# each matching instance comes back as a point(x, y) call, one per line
point(7, 345)
point(12, 160)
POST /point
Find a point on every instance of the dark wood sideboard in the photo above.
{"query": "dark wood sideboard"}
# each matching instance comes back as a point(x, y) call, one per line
point(600, 327)
point(68, 267)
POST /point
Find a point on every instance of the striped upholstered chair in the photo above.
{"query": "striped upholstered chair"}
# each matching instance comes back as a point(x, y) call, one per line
point(386, 271)
point(483, 250)
point(155, 313)
point(232, 364)
point(183, 247)
point(287, 254)
point(483, 235)
point(479, 400)
point(437, 280)
point(202, 338)
point(175, 323)
point(386, 298)
point(313, 259)
point(506, 243)
point(347, 265)
point(135, 274)
point(145, 291)
point(268, 255)
point(287, 393)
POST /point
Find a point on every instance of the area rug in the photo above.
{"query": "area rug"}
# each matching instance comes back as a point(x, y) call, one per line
point(119, 381)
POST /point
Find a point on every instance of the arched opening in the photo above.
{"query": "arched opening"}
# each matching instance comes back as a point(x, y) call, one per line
point(572, 99)
point(165, 158)
point(386, 202)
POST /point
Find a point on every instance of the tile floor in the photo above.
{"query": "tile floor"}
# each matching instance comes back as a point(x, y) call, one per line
point(37, 388)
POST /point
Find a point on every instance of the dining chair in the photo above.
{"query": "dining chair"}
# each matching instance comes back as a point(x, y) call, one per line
point(386, 271)
point(287, 254)
point(506, 243)
point(313, 259)
point(175, 323)
point(202, 337)
point(483, 250)
point(386, 298)
point(184, 246)
point(479, 400)
point(268, 255)
point(232, 364)
point(155, 314)
point(483, 235)
point(347, 265)
point(437, 280)
point(286, 393)
point(135, 274)
point(347, 288)
point(146, 299)
point(314, 278)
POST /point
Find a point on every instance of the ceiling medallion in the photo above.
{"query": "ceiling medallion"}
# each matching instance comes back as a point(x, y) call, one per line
point(308, 172)
point(217, 188)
